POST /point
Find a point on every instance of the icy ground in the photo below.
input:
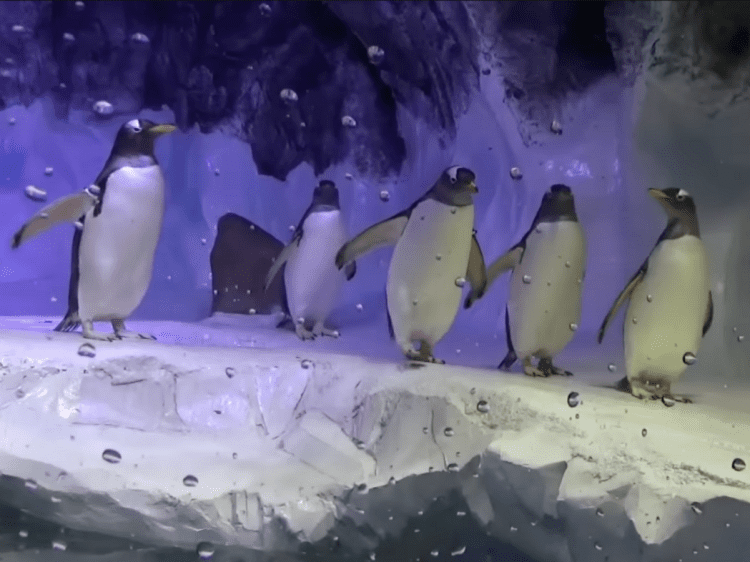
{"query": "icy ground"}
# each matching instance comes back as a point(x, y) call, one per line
point(237, 434)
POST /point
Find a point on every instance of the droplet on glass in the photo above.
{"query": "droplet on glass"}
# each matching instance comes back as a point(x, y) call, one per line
point(391, 481)
point(48, 171)
point(190, 481)
point(696, 507)
point(459, 551)
point(289, 95)
point(452, 467)
point(567, 264)
point(306, 364)
point(348, 121)
point(574, 399)
point(526, 279)
point(79, 5)
point(438, 257)
point(359, 306)
point(599, 512)
point(87, 350)
point(23, 533)
point(556, 127)
point(668, 401)
point(635, 320)
point(448, 431)
point(375, 54)
point(30, 484)
point(612, 367)
point(597, 546)
point(59, 545)
point(139, 37)
point(230, 372)
point(384, 195)
point(111, 456)
point(414, 302)
point(18, 28)
point(251, 311)
point(435, 553)
point(688, 358)
point(483, 406)
point(649, 298)
point(738, 465)
point(740, 338)
point(515, 173)
point(78, 225)
point(205, 550)
point(11, 120)
point(644, 432)
point(103, 107)
point(573, 326)
point(68, 37)
point(265, 9)
point(35, 194)
point(460, 281)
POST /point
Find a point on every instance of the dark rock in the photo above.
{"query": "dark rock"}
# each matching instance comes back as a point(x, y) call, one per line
point(240, 259)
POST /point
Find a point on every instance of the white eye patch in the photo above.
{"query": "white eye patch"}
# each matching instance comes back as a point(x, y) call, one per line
point(683, 193)
point(453, 173)
point(135, 125)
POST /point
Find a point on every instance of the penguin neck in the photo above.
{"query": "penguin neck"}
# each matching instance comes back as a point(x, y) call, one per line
point(681, 226)
point(463, 199)
point(133, 160)
point(560, 211)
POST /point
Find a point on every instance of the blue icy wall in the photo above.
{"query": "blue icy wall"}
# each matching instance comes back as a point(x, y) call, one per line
point(469, 83)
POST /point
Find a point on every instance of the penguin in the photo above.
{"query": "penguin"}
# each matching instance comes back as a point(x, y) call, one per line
point(118, 222)
point(312, 283)
point(544, 303)
point(671, 306)
point(436, 250)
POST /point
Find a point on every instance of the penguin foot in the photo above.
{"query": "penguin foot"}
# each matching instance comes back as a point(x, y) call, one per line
point(90, 334)
point(545, 364)
point(507, 363)
point(127, 335)
point(303, 333)
point(531, 371)
point(560, 371)
point(413, 355)
point(320, 330)
point(681, 399)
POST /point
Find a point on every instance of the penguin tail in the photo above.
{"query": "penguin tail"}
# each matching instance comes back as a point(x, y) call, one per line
point(69, 323)
point(623, 385)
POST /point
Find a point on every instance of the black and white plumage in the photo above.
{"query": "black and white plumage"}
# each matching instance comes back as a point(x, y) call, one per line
point(435, 247)
point(119, 222)
point(311, 280)
point(670, 308)
point(544, 302)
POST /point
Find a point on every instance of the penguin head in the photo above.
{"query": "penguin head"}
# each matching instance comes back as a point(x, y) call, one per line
point(676, 202)
point(137, 136)
point(557, 204)
point(326, 194)
point(456, 186)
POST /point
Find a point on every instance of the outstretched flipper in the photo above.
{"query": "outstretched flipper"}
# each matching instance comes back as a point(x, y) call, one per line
point(622, 297)
point(511, 356)
point(350, 270)
point(709, 314)
point(67, 209)
point(476, 273)
point(281, 260)
point(384, 233)
point(504, 263)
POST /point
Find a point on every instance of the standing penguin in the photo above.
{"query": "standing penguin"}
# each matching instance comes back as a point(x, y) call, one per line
point(312, 282)
point(435, 250)
point(671, 307)
point(119, 220)
point(544, 304)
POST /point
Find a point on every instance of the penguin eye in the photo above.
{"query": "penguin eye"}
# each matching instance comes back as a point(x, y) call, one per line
point(680, 197)
point(453, 179)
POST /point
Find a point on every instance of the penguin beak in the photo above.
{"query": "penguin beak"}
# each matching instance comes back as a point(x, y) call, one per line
point(658, 194)
point(162, 129)
point(473, 187)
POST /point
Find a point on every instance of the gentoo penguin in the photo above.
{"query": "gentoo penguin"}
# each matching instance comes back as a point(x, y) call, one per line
point(119, 220)
point(544, 304)
point(436, 250)
point(312, 282)
point(671, 307)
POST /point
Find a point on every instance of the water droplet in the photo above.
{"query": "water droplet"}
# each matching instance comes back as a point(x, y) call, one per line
point(251, 311)
point(515, 173)
point(306, 364)
point(361, 488)
point(20, 393)
point(556, 127)
point(459, 551)
point(696, 507)
point(597, 546)
point(384, 195)
point(435, 553)
point(205, 550)
point(23, 533)
point(438, 257)
point(79, 5)
point(139, 37)
point(103, 107)
point(372, 556)
point(573, 326)
point(688, 358)
point(483, 406)
point(111, 456)
point(391, 481)
point(30, 484)
point(740, 338)
point(190, 481)
point(78, 225)
point(265, 10)
point(649, 298)
point(526, 279)
point(738, 465)
point(48, 171)
point(599, 512)
point(230, 372)
point(567, 264)
point(289, 95)
point(513, 529)
point(414, 302)
point(573, 399)
point(87, 350)
point(11, 121)
point(448, 431)
point(668, 401)
point(375, 54)
point(452, 467)
point(644, 432)
point(35, 194)
point(59, 545)
point(18, 28)
point(348, 121)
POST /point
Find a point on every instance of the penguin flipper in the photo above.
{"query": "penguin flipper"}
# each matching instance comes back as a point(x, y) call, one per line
point(350, 270)
point(504, 263)
point(511, 356)
point(281, 260)
point(622, 297)
point(67, 209)
point(476, 273)
point(384, 233)
point(709, 314)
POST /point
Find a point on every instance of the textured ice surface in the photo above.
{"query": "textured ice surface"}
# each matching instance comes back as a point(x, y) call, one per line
point(356, 447)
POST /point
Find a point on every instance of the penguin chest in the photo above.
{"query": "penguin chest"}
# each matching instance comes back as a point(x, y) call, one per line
point(665, 317)
point(117, 247)
point(544, 304)
point(313, 282)
point(432, 252)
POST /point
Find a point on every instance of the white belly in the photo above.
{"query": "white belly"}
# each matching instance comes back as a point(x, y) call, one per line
point(313, 282)
point(666, 313)
point(542, 309)
point(116, 254)
point(431, 254)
